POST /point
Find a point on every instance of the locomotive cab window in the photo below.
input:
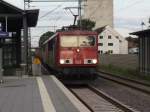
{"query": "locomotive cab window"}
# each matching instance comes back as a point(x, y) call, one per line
point(69, 41)
point(86, 41)
point(77, 41)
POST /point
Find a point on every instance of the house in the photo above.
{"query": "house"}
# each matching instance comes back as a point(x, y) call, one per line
point(111, 42)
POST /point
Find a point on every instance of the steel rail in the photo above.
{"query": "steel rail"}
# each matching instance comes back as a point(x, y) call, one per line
point(127, 79)
point(110, 99)
point(82, 100)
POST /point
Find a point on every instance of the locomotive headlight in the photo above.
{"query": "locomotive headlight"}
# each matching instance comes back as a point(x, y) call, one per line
point(62, 61)
point(94, 61)
point(78, 50)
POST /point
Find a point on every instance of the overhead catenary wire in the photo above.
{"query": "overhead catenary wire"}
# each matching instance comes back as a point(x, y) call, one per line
point(51, 11)
point(127, 7)
point(95, 9)
point(130, 5)
point(93, 12)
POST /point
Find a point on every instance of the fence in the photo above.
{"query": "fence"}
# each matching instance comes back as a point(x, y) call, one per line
point(129, 61)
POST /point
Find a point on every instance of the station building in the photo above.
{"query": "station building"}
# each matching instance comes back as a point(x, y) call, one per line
point(13, 21)
point(144, 50)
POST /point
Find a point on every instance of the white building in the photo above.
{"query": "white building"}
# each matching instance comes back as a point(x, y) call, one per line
point(111, 42)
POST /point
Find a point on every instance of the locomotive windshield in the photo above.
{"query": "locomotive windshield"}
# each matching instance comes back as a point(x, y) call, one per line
point(69, 41)
point(78, 41)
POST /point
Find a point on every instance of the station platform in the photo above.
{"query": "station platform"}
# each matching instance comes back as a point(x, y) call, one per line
point(37, 94)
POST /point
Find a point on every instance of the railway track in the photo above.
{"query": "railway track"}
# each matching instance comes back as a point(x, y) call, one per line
point(140, 86)
point(98, 101)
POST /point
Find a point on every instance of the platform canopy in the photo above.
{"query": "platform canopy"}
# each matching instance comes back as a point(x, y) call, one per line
point(142, 32)
point(12, 21)
point(15, 16)
point(144, 50)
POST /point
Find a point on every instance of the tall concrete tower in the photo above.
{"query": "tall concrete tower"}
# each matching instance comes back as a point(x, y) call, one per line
point(100, 11)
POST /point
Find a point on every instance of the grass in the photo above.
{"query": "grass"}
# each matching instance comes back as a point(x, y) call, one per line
point(129, 73)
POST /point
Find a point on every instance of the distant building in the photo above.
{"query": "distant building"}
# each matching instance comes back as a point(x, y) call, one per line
point(133, 45)
point(100, 11)
point(111, 42)
point(134, 50)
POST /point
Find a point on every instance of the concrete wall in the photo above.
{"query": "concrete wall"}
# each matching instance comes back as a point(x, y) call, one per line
point(122, 61)
point(100, 11)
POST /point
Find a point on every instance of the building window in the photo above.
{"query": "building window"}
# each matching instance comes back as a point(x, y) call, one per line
point(101, 37)
point(109, 36)
point(100, 44)
point(110, 44)
point(117, 37)
point(101, 52)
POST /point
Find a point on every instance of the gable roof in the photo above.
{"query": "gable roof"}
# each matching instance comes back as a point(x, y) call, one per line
point(99, 30)
point(110, 29)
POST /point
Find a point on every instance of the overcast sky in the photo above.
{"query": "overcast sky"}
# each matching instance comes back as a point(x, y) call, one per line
point(128, 15)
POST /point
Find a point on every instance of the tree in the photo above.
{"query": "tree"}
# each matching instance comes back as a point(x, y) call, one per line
point(86, 24)
point(45, 36)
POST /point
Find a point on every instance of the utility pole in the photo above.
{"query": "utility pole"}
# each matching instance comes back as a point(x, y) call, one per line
point(79, 12)
point(28, 50)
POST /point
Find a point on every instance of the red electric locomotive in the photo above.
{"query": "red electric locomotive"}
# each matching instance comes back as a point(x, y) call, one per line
point(72, 52)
